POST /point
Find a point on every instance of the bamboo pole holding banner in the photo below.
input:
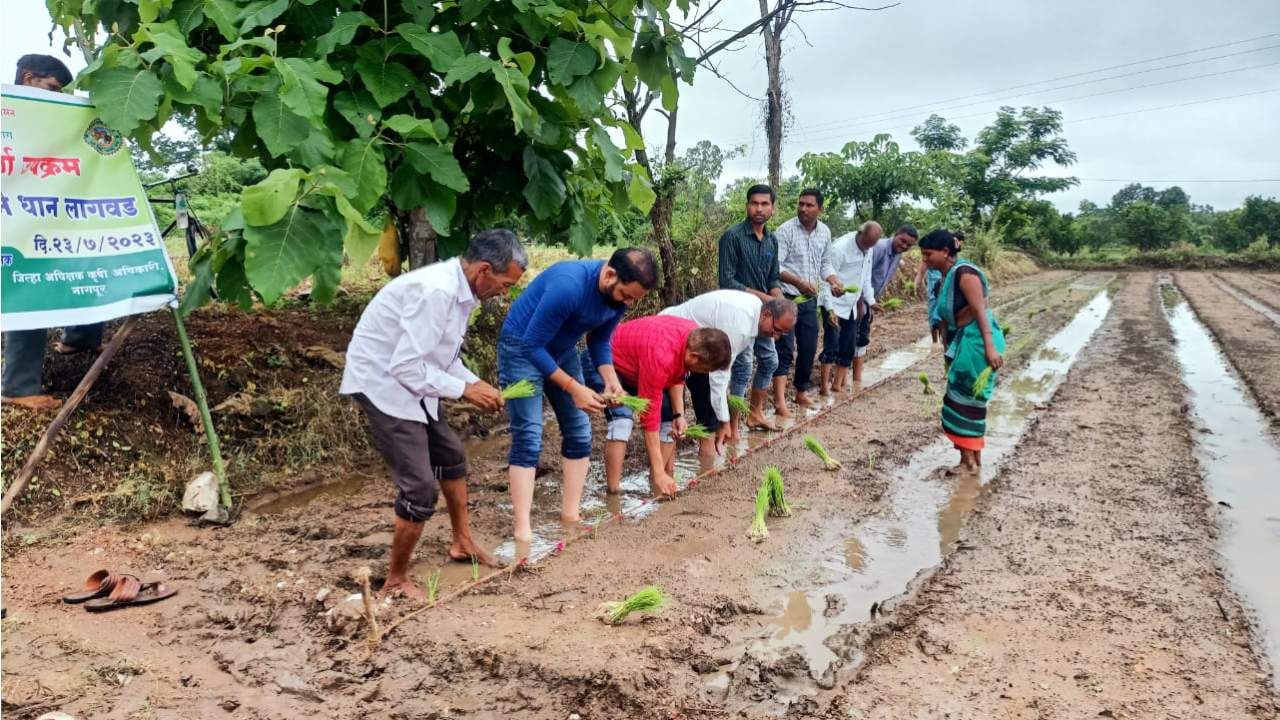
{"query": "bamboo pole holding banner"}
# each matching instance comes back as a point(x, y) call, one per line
point(202, 402)
point(69, 407)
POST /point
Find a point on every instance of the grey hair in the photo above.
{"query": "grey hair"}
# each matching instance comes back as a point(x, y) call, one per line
point(780, 307)
point(499, 248)
point(866, 226)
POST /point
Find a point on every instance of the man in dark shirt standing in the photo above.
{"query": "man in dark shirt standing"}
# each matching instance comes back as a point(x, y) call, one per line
point(749, 262)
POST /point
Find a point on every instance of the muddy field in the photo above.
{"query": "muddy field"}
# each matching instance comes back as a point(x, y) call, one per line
point(1089, 571)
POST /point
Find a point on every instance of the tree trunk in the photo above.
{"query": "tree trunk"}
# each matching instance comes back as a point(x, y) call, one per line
point(421, 240)
point(773, 99)
point(660, 234)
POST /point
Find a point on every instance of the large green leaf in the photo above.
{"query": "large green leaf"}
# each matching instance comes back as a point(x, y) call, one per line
point(387, 80)
point(125, 97)
point(567, 59)
point(172, 46)
point(438, 162)
point(299, 88)
point(409, 126)
point(279, 127)
point(188, 14)
point(279, 256)
point(468, 67)
point(639, 190)
point(440, 203)
point(545, 190)
point(516, 88)
point(268, 201)
point(365, 162)
point(443, 49)
point(362, 236)
point(261, 13)
point(360, 109)
point(343, 31)
point(613, 160)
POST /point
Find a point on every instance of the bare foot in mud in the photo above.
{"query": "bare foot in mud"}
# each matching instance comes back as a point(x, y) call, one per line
point(757, 421)
point(35, 402)
point(405, 588)
point(463, 550)
point(802, 401)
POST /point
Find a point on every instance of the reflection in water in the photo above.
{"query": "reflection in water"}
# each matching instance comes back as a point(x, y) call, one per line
point(925, 511)
point(796, 616)
point(1253, 304)
point(1241, 463)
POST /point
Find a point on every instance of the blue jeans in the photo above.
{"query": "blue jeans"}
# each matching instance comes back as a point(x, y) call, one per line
point(525, 414)
point(766, 361)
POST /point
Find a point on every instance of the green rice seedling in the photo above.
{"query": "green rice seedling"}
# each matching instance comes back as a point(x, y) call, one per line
point(739, 404)
point(433, 587)
point(801, 299)
point(816, 448)
point(519, 389)
point(649, 599)
point(697, 431)
point(778, 506)
point(1006, 328)
point(475, 568)
point(871, 461)
point(893, 303)
point(980, 383)
point(909, 287)
point(851, 289)
point(637, 405)
point(759, 530)
point(924, 380)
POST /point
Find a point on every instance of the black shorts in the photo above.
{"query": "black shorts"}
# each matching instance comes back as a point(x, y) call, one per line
point(419, 455)
point(699, 385)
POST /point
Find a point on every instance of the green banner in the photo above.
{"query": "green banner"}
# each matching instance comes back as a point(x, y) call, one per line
point(79, 240)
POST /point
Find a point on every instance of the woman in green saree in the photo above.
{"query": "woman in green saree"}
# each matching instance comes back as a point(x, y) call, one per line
point(973, 342)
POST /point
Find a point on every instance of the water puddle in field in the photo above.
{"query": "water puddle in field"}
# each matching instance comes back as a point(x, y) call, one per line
point(920, 524)
point(1241, 464)
point(292, 500)
point(1247, 300)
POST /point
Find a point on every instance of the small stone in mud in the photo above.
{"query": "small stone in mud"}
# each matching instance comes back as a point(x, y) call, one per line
point(704, 665)
point(229, 705)
point(291, 684)
point(835, 605)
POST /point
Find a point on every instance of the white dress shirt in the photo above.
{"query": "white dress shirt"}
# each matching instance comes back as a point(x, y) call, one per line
point(735, 312)
point(804, 254)
point(405, 352)
point(853, 266)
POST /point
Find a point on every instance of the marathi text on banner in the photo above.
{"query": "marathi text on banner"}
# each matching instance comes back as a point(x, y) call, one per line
point(79, 241)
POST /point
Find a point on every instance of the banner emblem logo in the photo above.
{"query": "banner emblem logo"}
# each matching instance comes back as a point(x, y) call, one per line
point(102, 139)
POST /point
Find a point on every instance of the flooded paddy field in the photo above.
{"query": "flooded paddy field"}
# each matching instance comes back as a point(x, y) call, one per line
point(1088, 571)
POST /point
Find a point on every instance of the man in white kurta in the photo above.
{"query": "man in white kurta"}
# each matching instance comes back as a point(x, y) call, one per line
point(851, 257)
point(743, 317)
point(404, 357)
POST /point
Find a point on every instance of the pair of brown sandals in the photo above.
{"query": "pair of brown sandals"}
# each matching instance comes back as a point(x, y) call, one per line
point(105, 590)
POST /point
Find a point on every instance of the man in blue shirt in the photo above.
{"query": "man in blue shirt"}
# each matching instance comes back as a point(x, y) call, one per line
point(538, 342)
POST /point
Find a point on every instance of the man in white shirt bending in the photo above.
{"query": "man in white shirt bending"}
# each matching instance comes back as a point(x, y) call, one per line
point(852, 259)
point(743, 317)
point(404, 357)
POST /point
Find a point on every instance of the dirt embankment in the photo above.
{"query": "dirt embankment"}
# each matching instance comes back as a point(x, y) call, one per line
point(248, 638)
point(1090, 587)
point(1249, 338)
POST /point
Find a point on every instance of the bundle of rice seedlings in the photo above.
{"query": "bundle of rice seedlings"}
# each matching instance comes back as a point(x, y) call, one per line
point(800, 299)
point(909, 286)
point(816, 448)
point(759, 531)
point(893, 303)
point(433, 587)
point(739, 404)
point(778, 506)
point(980, 383)
point(924, 380)
point(697, 431)
point(637, 405)
point(519, 389)
point(851, 288)
point(649, 599)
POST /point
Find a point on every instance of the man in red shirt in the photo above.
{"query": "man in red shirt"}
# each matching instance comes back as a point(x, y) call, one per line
point(653, 354)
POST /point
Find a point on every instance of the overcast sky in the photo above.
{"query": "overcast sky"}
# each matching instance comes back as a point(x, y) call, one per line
point(852, 74)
